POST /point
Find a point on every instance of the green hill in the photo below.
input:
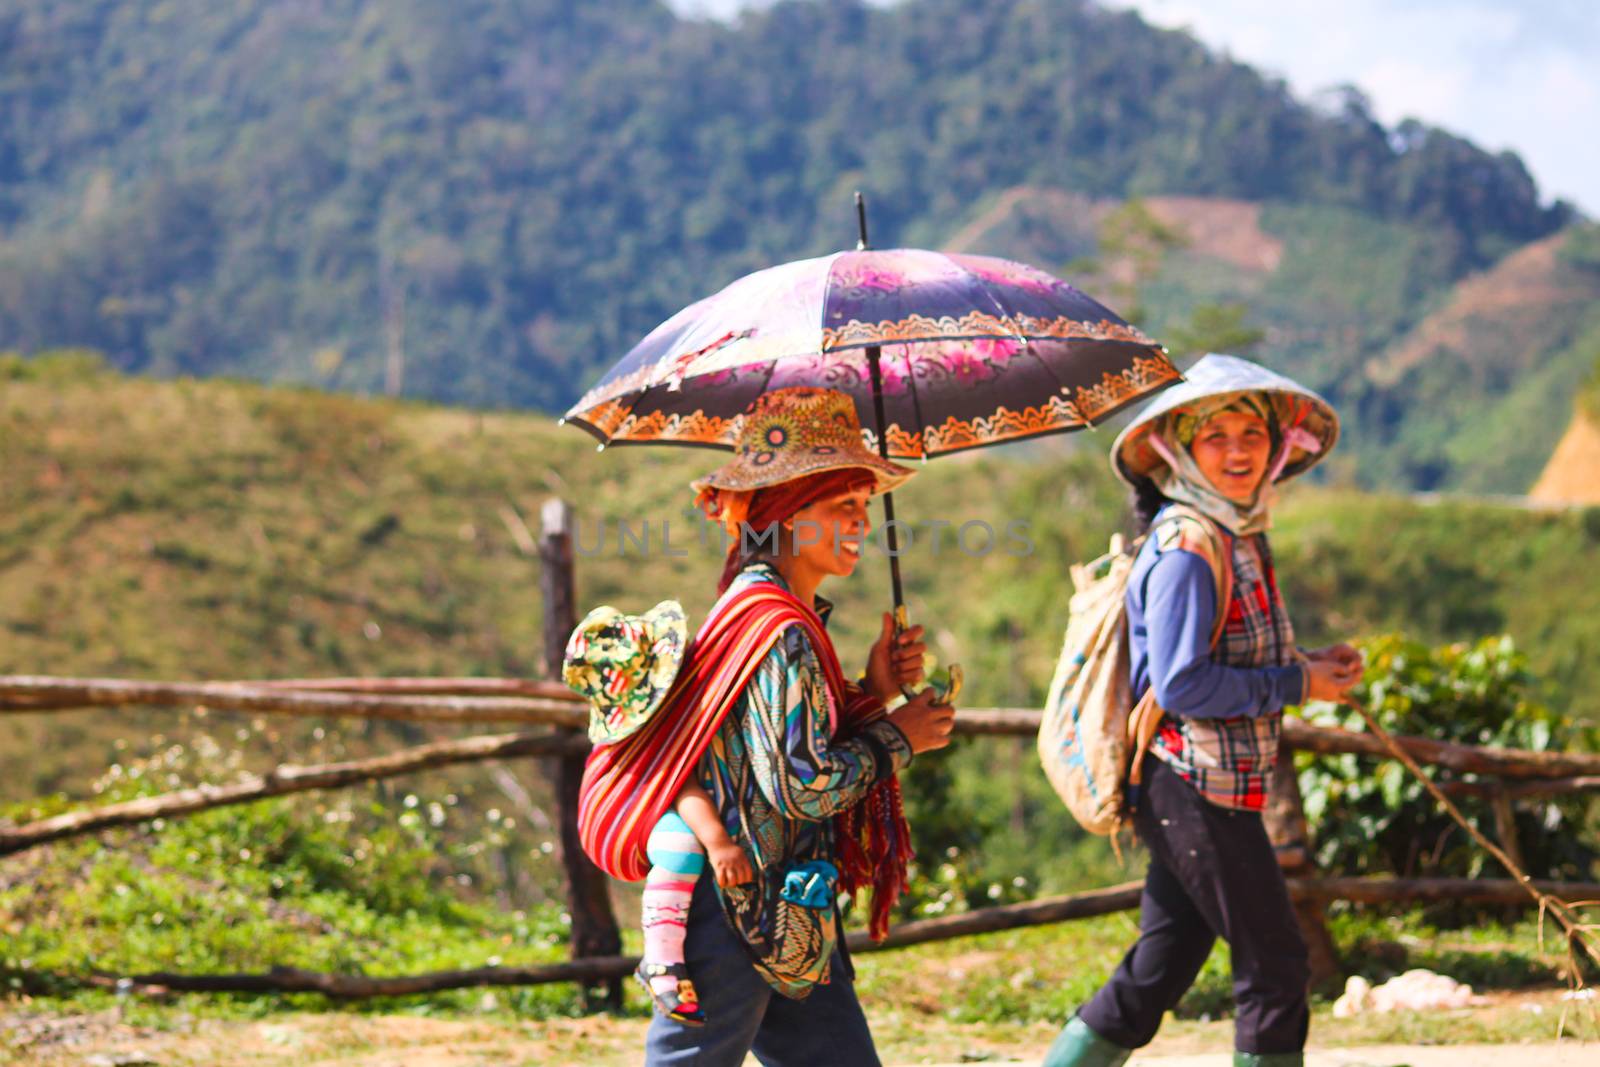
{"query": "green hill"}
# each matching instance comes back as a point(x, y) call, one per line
point(487, 201)
point(224, 530)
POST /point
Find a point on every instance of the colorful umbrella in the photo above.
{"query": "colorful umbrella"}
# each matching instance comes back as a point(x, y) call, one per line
point(942, 352)
point(972, 351)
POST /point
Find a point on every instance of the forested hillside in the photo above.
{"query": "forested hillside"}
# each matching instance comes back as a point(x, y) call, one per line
point(485, 201)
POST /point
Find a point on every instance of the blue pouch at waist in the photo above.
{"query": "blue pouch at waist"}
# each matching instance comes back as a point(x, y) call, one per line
point(811, 884)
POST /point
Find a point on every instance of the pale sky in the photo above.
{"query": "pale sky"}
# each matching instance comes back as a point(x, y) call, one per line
point(1517, 74)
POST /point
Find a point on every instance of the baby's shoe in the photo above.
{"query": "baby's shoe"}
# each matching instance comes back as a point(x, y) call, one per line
point(680, 1004)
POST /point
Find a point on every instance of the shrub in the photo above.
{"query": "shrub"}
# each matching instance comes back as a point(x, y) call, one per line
point(1372, 817)
point(57, 366)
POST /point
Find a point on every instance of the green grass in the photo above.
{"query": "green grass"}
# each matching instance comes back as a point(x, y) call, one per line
point(329, 883)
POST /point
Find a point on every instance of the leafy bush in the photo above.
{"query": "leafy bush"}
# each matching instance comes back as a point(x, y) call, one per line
point(1582, 246)
point(54, 366)
point(340, 883)
point(1589, 398)
point(1376, 817)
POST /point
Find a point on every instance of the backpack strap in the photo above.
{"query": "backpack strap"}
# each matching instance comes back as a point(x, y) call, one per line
point(1186, 528)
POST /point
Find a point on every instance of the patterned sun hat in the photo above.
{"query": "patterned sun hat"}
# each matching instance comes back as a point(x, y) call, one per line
point(624, 665)
point(801, 430)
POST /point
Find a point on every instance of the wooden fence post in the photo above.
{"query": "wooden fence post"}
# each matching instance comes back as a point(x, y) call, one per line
point(594, 925)
point(1505, 824)
point(1285, 819)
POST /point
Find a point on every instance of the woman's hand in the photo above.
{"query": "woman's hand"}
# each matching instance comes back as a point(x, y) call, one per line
point(1333, 671)
point(729, 864)
point(1343, 654)
point(1331, 679)
point(926, 725)
point(895, 660)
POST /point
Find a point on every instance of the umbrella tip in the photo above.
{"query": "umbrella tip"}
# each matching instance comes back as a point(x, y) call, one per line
point(562, 421)
point(601, 447)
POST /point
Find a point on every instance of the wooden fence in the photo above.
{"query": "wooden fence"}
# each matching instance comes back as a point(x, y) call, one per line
point(1504, 776)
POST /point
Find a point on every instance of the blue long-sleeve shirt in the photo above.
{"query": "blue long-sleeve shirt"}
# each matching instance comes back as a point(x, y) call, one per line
point(1172, 604)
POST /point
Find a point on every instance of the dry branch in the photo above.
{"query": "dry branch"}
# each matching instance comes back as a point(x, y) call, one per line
point(350, 986)
point(1531, 788)
point(1435, 890)
point(457, 687)
point(552, 704)
point(1005, 917)
point(283, 780)
point(1466, 759)
point(1580, 934)
point(595, 932)
point(1504, 762)
point(28, 693)
point(1022, 722)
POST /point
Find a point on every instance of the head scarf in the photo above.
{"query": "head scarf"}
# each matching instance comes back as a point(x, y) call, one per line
point(758, 509)
point(1182, 480)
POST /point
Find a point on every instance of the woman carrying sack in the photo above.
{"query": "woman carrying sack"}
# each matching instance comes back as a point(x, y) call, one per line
point(798, 764)
point(1217, 444)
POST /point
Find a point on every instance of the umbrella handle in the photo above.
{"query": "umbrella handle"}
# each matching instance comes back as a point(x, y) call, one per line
point(946, 695)
point(902, 621)
point(943, 695)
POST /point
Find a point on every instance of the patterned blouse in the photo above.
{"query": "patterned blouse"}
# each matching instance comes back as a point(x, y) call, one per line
point(1225, 705)
point(777, 777)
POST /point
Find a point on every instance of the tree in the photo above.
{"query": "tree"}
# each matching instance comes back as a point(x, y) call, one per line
point(1215, 328)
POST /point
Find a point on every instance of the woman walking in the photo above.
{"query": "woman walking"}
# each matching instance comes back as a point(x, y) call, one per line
point(1203, 461)
point(799, 766)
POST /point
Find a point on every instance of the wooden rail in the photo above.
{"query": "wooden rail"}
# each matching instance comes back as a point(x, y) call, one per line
point(287, 779)
point(25, 693)
point(1328, 740)
point(1042, 912)
point(552, 704)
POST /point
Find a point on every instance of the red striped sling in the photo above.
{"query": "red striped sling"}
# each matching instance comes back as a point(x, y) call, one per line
point(628, 785)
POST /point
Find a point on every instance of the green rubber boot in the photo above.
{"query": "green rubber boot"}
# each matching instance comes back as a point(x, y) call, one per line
point(1079, 1046)
point(1269, 1059)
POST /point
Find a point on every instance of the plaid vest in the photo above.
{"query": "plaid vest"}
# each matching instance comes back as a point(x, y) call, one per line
point(1230, 761)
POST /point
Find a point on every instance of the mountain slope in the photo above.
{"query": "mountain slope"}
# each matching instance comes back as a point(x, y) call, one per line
point(1572, 476)
point(1441, 383)
point(1476, 397)
point(487, 201)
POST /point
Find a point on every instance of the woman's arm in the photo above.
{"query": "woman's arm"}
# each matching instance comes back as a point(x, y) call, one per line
point(1180, 611)
point(802, 770)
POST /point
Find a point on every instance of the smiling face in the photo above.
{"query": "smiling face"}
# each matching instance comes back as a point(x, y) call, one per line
point(828, 535)
point(1232, 450)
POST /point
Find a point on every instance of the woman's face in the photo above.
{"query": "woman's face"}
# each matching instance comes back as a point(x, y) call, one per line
point(828, 535)
point(1232, 450)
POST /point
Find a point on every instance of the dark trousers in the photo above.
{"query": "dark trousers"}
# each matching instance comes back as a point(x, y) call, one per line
point(744, 1014)
point(1212, 874)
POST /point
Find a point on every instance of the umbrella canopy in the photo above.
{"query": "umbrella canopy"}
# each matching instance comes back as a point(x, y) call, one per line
point(975, 351)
